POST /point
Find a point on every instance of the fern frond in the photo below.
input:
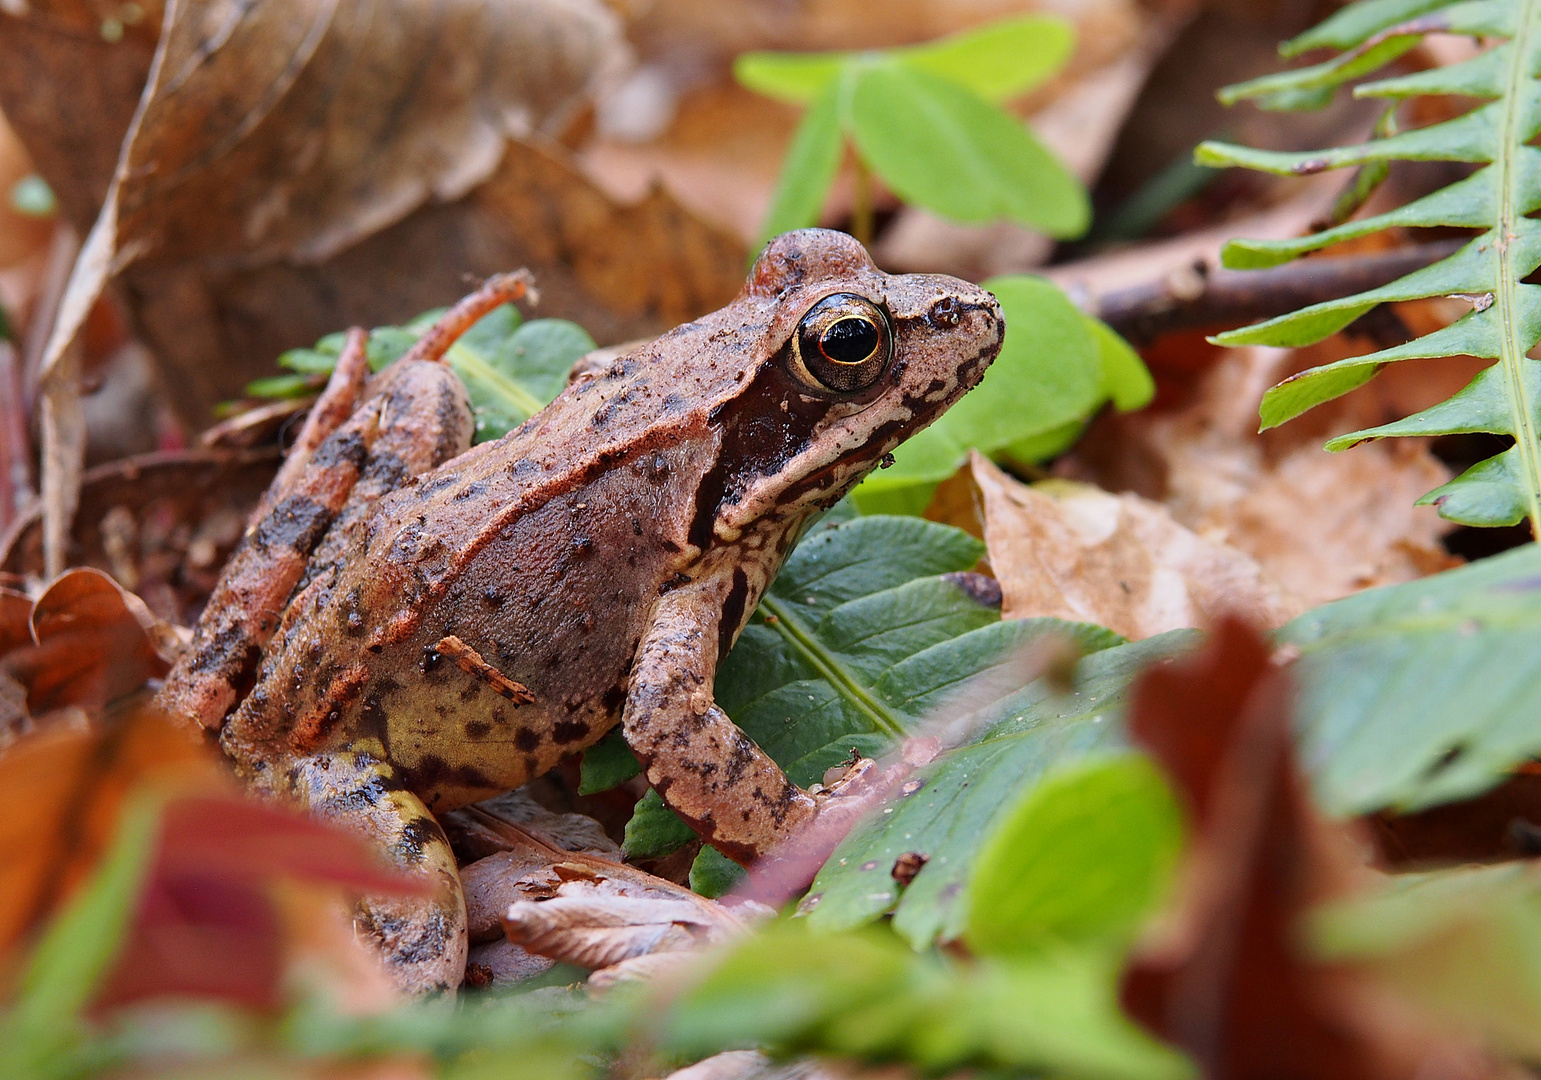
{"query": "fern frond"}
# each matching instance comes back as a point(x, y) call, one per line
point(1504, 322)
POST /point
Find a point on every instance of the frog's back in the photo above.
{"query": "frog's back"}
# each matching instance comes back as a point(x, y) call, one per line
point(525, 568)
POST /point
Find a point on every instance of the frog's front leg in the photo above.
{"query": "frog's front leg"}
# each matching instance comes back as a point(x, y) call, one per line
point(421, 940)
point(706, 769)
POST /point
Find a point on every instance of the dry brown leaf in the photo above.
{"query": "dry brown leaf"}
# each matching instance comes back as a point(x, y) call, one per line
point(1076, 552)
point(1321, 525)
point(90, 643)
point(596, 920)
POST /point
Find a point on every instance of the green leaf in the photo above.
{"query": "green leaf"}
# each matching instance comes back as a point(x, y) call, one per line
point(938, 145)
point(865, 995)
point(998, 60)
point(511, 368)
point(1505, 323)
point(950, 805)
point(1125, 378)
point(654, 830)
point(512, 371)
point(1464, 944)
point(713, 874)
point(858, 638)
point(809, 168)
point(1053, 372)
point(1424, 692)
point(796, 78)
point(281, 386)
point(607, 764)
point(1085, 854)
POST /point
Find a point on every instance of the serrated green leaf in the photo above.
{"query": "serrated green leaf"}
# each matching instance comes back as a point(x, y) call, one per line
point(1085, 855)
point(998, 60)
point(513, 370)
point(949, 806)
point(1421, 693)
point(938, 145)
point(808, 169)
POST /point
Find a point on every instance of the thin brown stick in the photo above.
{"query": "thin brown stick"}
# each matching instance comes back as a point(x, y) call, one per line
point(498, 289)
point(1198, 297)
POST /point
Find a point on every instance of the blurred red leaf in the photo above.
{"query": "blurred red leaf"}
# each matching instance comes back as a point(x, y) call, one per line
point(1225, 976)
point(207, 925)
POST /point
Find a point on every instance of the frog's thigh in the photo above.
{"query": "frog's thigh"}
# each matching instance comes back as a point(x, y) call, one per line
point(706, 769)
point(422, 940)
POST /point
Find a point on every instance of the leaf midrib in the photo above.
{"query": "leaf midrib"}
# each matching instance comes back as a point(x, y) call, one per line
point(1513, 353)
point(830, 669)
point(473, 365)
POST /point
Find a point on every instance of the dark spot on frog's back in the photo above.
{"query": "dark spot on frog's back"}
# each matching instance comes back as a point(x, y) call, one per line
point(527, 739)
point(344, 448)
point(433, 772)
point(296, 523)
point(569, 731)
point(478, 729)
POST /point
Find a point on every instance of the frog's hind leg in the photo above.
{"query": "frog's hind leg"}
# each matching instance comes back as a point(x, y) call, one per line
point(243, 611)
point(422, 940)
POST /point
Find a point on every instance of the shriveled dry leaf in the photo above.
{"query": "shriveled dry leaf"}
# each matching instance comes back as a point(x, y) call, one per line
point(597, 921)
point(1320, 525)
point(1076, 552)
point(1224, 975)
point(90, 642)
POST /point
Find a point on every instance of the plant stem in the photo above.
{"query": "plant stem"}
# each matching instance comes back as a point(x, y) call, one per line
point(1513, 351)
point(861, 202)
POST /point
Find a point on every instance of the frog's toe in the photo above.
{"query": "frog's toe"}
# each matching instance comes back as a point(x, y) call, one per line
point(421, 941)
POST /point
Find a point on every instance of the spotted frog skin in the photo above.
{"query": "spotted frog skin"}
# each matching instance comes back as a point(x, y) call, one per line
point(410, 625)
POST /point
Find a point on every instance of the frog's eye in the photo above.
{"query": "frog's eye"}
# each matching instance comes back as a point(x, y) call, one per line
point(843, 343)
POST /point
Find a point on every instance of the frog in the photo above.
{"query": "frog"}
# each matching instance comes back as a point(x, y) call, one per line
point(411, 624)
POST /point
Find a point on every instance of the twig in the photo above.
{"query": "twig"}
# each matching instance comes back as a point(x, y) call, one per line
point(1195, 296)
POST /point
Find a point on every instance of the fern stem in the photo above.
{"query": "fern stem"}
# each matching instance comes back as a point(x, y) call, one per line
point(1526, 438)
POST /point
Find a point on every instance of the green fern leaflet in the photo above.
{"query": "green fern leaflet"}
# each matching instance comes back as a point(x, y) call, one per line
point(1504, 323)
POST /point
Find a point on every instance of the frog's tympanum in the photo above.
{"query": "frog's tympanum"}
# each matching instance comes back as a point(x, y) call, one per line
point(410, 625)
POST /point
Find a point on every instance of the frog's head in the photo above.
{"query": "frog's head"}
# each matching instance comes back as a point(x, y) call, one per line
point(850, 362)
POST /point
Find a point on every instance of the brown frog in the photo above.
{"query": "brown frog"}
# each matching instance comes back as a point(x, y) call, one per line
point(410, 625)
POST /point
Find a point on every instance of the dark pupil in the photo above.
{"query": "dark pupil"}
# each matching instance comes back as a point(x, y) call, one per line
point(849, 341)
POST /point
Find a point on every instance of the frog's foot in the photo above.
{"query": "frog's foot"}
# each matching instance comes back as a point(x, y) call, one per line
point(421, 940)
